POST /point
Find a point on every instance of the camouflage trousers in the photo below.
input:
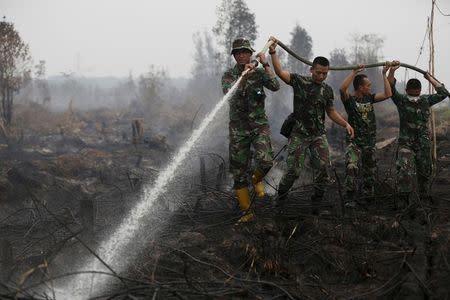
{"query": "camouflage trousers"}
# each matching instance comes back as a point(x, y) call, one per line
point(319, 157)
point(241, 155)
point(411, 163)
point(357, 157)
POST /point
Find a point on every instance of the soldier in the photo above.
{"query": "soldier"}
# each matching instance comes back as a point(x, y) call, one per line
point(414, 143)
point(361, 116)
point(248, 124)
point(312, 98)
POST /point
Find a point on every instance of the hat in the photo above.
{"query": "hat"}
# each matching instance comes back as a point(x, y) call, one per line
point(241, 43)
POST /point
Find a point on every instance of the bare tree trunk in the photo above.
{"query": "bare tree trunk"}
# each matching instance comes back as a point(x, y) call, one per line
point(3, 103)
point(9, 107)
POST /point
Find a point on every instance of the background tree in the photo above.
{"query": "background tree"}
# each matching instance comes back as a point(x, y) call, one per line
point(206, 56)
point(14, 67)
point(367, 49)
point(338, 57)
point(41, 82)
point(234, 19)
point(301, 43)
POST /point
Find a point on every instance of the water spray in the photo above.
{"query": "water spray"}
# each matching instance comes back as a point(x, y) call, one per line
point(116, 249)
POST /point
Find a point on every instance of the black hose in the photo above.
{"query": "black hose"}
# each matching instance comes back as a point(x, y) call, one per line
point(305, 61)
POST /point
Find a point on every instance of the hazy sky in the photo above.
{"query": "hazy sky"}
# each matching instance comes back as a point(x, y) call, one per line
point(109, 37)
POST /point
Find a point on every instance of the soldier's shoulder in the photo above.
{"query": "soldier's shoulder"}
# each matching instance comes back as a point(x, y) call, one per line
point(301, 79)
point(229, 73)
point(327, 86)
point(328, 89)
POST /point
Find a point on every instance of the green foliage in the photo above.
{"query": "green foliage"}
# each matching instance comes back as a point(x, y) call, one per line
point(14, 66)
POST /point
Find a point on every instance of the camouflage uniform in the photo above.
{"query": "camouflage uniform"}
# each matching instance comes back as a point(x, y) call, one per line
point(311, 100)
point(248, 123)
point(361, 117)
point(414, 152)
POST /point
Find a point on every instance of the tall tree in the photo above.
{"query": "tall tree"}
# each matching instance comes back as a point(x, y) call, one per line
point(338, 58)
point(367, 49)
point(15, 63)
point(234, 19)
point(206, 56)
point(301, 43)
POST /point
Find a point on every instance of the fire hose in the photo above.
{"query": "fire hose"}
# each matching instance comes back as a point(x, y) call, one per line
point(340, 68)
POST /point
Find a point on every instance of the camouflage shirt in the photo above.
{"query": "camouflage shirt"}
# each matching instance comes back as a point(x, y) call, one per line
point(362, 118)
point(414, 114)
point(247, 104)
point(311, 100)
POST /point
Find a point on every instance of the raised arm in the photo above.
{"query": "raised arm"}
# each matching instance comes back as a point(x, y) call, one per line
point(283, 74)
point(434, 82)
point(343, 90)
point(270, 80)
point(441, 91)
point(387, 87)
point(391, 76)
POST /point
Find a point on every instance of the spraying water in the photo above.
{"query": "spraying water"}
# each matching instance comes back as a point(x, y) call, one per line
point(115, 249)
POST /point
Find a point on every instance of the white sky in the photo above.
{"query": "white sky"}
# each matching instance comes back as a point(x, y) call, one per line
point(111, 37)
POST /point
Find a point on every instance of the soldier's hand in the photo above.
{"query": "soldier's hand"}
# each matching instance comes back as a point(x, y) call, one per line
point(386, 67)
point(359, 68)
point(248, 70)
point(350, 130)
point(395, 64)
point(274, 45)
point(262, 58)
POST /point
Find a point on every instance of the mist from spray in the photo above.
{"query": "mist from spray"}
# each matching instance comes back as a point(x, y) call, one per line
point(115, 250)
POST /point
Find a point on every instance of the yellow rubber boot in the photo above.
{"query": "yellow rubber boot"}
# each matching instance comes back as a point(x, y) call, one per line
point(258, 184)
point(244, 203)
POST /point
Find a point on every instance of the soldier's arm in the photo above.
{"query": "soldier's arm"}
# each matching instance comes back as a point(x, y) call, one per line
point(283, 74)
point(227, 82)
point(391, 79)
point(338, 119)
point(441, 91)
point(343, 90)
point(391, 75)
point(387, 87)
point(271, 82)
point(269, 79)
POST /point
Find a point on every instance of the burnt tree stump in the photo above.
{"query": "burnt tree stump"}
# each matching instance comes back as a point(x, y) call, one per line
point(6, 260)
point(87, 216)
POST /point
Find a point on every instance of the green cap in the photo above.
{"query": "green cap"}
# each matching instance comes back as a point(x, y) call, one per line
point(241, 43)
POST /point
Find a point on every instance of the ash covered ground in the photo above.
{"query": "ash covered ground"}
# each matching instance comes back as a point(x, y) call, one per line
point(61, 193)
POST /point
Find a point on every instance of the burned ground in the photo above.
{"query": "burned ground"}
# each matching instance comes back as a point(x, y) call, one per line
point(196, 249)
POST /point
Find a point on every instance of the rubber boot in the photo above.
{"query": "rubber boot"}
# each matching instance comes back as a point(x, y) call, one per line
point(258, 184)
point(244, 203)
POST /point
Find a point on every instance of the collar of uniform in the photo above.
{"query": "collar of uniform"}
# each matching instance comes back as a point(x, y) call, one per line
point(310, 79)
